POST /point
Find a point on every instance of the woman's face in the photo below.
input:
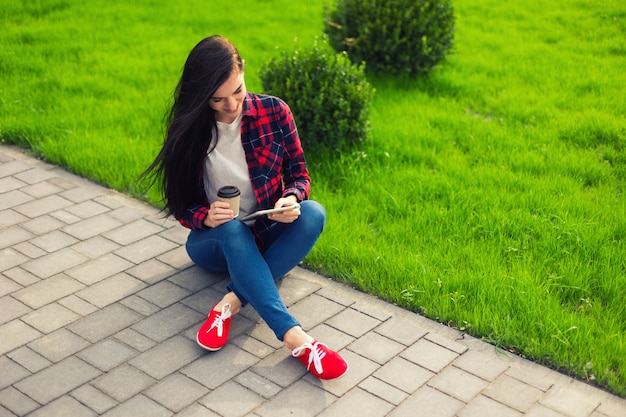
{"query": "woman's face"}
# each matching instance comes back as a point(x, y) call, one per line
point(228, 99)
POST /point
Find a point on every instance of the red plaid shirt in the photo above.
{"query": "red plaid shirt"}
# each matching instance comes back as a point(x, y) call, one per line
point(274, 156)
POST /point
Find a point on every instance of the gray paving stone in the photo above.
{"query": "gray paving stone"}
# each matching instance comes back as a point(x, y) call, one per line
point(54, 263)
point(65, 217)
point(46, 291)
point(113, 201)
point(232, 399)
point(458, 383)
point(252, 345)
point(87, 209)
point(376, 347)
point(107, 354)
point(64, 407)
point(353, 322)
point(58, 345)
point(78, 305)
point(264, 334)
point(95, 247)
point(122, 213)
point(98, 269)
point(15, 334)
point(294, 289)
point(612, 406)
point(449, 341)
point(152, 271)
point(403, 375)
point(532, 374)
point(177, 234)
point(13, 199)
point(13, 167)
point(383, 390)
point(280, 368)
point(35, 175)
point(123, 382)
point(194, 279)
point(13, 235)
point(91, 227)
point(21, 277)
point(57, 380)
point(482, 406)
point(176, 392)
point(164, 293)
point(50, 318)
point(54, 241)
point(571, 400)
point(333, 295)
point(300, 399)
point(30, 250)
point(7, 286)
point(145, 249)
point(11, 372)
point(110, 290)
point(428, 402)
point(11, 183)
point(135, 340)
point(401, 330)
point(358, 403)
point(41, 206)
point(140, 305)
point(139, 406)
point(539, 410)
point(429, 355)
point(11, 309)
point(132, 232)
point(82, 190)
point(29, 359)
point(214, 368)
point(167, 357)
point(10, 258)
point(11, 218)
point(168, 322)
point(525, 395)
point(176, 258)
point(314, 310)
point(42, 225)
point(197, 410)
point(41, 189)
point(332, 337)
point(254, 382)
point(483, 365)
point(93, 398)
point(360, 369)
point(17, 402)
point(105, 322)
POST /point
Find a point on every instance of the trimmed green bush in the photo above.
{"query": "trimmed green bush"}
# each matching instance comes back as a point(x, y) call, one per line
point(328, 95)
point(392, 36)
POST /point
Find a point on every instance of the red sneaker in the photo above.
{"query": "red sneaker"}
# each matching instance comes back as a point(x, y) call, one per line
point(213, 334)
point(327, 364)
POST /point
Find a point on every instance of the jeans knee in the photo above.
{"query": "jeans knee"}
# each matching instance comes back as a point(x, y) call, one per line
point(314, 213)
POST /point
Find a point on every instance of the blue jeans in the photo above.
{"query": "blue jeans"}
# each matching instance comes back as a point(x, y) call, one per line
point(231, 248)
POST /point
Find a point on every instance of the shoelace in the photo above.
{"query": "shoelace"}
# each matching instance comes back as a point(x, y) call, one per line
point(220, 319)
point(315, 357)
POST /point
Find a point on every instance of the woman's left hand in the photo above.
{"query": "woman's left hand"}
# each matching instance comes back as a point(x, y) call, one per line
point(288, 216)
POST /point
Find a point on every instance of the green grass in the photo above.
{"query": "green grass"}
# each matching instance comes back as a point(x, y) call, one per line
point(489, 197)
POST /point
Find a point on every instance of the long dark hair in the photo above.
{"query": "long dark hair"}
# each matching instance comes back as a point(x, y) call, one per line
point(190, 121)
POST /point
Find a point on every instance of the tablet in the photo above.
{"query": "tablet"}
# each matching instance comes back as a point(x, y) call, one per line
point(269, 211)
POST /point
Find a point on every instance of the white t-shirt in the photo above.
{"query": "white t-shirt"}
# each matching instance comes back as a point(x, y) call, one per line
point(226, 164)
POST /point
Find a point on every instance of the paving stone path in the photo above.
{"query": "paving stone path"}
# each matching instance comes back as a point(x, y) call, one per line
point(99, 307)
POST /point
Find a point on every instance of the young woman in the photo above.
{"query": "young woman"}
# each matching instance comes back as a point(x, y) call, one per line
point(218, 134)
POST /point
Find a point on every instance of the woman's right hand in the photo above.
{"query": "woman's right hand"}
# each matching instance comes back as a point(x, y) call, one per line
point(219, 213)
